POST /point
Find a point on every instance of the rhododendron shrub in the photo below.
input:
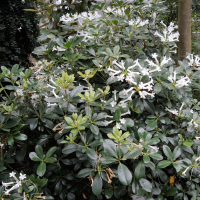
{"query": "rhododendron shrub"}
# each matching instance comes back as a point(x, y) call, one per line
point(106, 113)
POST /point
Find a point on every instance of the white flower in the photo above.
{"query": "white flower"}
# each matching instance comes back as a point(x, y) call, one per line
point(12, 174)
point(19, 92)
point(184, 173)
point(113, 103)
point(195, 125)
point(22, 176)
point(107, 122)
point(1, 145)
point(118, 125)
point(123, 104)
point(175, 112)
point(197, 159)
point(7, 184)
point(123, 121)
point(115, 92)
point(191, 111)
point(190, 123)
point(193, 62)
point(121, 77)
point(154, 148)
point(127, 113)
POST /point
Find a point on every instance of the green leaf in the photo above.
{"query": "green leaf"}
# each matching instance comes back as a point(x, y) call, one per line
point(39, 151)
point(140, 170)
point(135, 153)
point(110, 148)
point(146, 159)
point(84, 173)
point(149, 106)
point(117, 115)
point(97, 185)
point(115, 22)
point(92, 154)
point(20, 155)
point(170, 192)
point(20, 136)
point(146, 185)
point(91, 51)
point(41, 169)
point(151, 124)
point(40, 50)
point(70, 148)
point(50, 159)
point(50, 152)
point(167, 152)
point(33, 156)
point(116, 48)
point(177, 152)
point(76, 41)
point(94, 129)
point(10, 141)
point(188, 144)
point(125, 176)
point(163, 164)
point(157, 88)
point(156, 156)
point(108, 193)
point(67, 45)
point(107, 160)
point(69, 120)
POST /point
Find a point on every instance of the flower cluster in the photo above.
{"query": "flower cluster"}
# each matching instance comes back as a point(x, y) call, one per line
point(15, 185)
point(168, 34)
point(194, 60)
point(184, 81)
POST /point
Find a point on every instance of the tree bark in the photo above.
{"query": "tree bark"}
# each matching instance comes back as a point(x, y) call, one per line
point(184, 28)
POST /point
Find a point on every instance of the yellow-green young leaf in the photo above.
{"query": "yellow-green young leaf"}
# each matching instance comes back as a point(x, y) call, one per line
point(81, 127)
point(87, 72)
point(111, 136)
point(125, 135)
point(125, 142)
point(115, 131)
point(74, 115)
point(69, 120)
point(82, 97)
point(81, 74)
point(100, 90)
point(74, 131)
point(84, 119)
point(91, 95)
point(96, 96)
point(87, 95)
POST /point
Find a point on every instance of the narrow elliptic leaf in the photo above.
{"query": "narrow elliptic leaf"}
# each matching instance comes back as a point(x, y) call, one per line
point(140, 170)
point(39, 151)
point(94, 129)
point(97, 185)
point(108, 193)
point(156, 156)
point(92, 154)
point(84, 173)
point(110, 148)
point(50, 151)
point(107, 160)
point(50, 159)
point(177, 152)
point(146, 185)
point(70, 148)
point(146, 159)
point(163, 163)
point(20, 136)
point(10, 141)
point(41, 169)
point(125, 176)
point(167, 151)
point(135, 153)
point(33, 156)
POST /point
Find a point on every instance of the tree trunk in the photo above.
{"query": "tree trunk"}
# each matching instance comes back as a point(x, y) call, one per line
point(184, 28)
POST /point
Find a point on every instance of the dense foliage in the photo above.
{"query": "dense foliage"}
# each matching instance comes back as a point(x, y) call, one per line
point(19, 32)
point(105, 113)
